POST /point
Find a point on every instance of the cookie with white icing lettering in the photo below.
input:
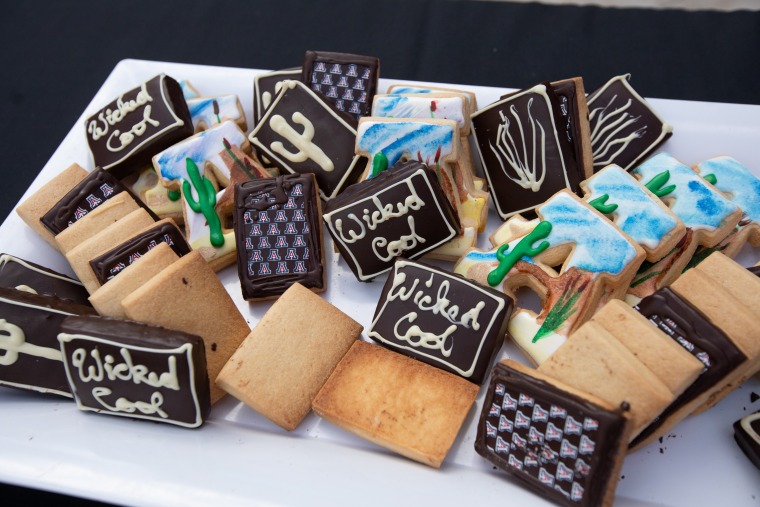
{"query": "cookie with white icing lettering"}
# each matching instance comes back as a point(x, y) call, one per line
point(286, 359)
point(404, 405)
point(129, 369)
point(126, 133)
point(278, 225)
point(20, 274)
point(523, 146)
point(554, 439)
point(188, 296)
point(348, 81)
point(596, 263)
point(441, 318)
point(300, 133)
point(205, 168)
point(625, 129)
point(645, 218)
point(400, 212)
point(30, 357)
point(742, 187)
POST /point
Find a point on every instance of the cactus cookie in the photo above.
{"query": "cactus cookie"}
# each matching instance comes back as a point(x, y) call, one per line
point(597, 261)
point(644, 217)
point(204, 169)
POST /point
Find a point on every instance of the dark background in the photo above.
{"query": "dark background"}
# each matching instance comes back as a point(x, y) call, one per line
point(57, 54)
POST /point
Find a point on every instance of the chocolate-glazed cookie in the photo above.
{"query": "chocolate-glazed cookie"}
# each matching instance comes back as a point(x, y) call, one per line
point(88, 194)
point(266, 86)
point(278, 231)
point(23, 275)
point(441, 318)
point(134, 370)
point(524, 149)
point(112, 262)
point(300, 133)
point(693, 331)
point(30, 357)
point(126, 133)
point(400, 212)
point(553, 441)
point(624, 128)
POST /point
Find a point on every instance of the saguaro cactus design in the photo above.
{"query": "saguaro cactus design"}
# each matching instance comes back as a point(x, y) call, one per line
point(206, 201)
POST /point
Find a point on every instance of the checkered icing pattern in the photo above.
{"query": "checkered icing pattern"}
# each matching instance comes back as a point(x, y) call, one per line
point(544, 441)
point(345, 84)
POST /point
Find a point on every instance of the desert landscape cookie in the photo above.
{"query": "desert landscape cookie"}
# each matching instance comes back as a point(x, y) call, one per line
point(205, 112)
point(132, 370)
point(400, 212)
point(409, 407)
point(597, 262)
point(348, 81)
point(163, 202)
point(127, 132)
point(278, 225)
point(288, 356)
point(188, 296)
point(30, 357)
point(562, 443)
point(625, 129)
point(441, 319)
point(20, 274)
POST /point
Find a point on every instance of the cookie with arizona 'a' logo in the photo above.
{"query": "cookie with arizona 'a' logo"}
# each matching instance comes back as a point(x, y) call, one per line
point(555, 440)
point(278, 226)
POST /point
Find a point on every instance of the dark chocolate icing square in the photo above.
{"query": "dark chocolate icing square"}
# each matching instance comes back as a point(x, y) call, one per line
point(109, 264)
point(127, 132)
point(16, 273)
point(265, 89)
point(552, 441)
point(348, 81)
point(30, 357)
point(402, 212)
point(695, 333)
point(278, 234)
point(624, 128)
point(441, 319)
point(524, 149)
point(134, 370)
point(300, 133)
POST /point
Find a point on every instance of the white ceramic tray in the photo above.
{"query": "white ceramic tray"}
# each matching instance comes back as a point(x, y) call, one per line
point(240, 458)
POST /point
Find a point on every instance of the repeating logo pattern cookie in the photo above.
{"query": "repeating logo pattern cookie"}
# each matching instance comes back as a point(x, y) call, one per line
point(597, 262)
point(742, 187)
point(203, 167)
point(644, 217)
point(348, 81)
point(708, 215)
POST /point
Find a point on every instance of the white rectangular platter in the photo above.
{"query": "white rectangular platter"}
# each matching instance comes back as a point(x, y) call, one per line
point(240, 458)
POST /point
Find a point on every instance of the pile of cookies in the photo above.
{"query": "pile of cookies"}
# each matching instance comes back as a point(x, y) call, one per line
point(644, 317)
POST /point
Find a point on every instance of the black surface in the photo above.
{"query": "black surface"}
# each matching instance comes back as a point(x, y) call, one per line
point(56, 55)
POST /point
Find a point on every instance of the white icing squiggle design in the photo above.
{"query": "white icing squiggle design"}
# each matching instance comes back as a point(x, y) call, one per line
point(307, 150)
point(14, 343)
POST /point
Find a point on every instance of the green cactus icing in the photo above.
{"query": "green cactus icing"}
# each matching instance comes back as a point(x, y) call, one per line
point(205, 203)
point(600, 204)
point(522, 249)
point(173, 195)
point(655, 185)
point(379, 164)
point(711, 179)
